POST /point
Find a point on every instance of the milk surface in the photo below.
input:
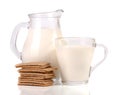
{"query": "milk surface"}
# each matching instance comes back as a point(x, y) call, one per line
point(74, 62)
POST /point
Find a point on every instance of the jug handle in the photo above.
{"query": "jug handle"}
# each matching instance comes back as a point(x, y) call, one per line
point(105, 55)
point(14, 36)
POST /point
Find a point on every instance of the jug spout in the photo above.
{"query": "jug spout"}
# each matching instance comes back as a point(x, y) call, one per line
point(59, 11)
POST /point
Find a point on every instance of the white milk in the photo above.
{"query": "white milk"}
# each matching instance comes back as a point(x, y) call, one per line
point(40, 47)
point(74, 62)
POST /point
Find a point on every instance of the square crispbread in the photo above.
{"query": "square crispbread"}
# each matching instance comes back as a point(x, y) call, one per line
point(35, 67)
point(33, 64)
point(42, 76)
point(33, 80)
point(28, 70)
point(39, 68)
point(35, 84)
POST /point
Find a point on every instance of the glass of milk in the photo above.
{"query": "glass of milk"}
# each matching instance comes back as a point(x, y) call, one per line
point(75, 56)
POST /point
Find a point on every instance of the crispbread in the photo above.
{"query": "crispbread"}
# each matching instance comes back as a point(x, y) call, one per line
point(38, 64)
point(28, 70)
point(35, 84)
point(44, 76)
point(35, 80)
point(36, 67)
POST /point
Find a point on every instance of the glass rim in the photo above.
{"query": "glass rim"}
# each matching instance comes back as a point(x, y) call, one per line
point(89, 41)
point(87, 38)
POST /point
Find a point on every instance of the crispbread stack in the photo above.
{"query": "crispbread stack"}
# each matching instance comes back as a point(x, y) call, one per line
point(35, 74)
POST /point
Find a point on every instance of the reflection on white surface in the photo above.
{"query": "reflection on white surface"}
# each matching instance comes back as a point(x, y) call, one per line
point(75, 90)
point(33, 90)
point(54, 90)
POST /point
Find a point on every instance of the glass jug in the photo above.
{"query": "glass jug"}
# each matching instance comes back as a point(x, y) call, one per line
point(39, 45)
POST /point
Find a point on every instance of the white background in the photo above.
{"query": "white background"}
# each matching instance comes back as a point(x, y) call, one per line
point(95, 18)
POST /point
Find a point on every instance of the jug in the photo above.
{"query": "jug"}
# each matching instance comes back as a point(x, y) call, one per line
point(39, 45)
